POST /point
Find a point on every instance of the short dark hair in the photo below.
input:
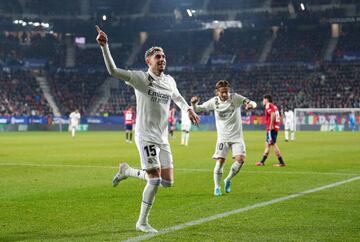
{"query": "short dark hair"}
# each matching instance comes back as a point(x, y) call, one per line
point(222, 83)
point(268, 97)
point(152, 51)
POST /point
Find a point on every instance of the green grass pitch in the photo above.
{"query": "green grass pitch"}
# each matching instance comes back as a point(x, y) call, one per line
point(53, 188)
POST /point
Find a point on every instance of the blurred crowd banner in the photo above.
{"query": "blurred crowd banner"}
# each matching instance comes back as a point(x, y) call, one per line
point(253, 122)
point(253, 119)
point(116, 120)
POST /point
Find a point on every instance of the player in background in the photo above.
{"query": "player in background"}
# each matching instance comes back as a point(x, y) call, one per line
point(227, 109)
point(289, 124)
point(74, 122)
point(352, 121)
point(272, 127)
point(172, 121)
point(129, 120)
point(185, 127)
point(154, 91)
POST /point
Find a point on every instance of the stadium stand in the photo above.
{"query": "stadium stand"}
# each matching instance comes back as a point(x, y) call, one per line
point(299, 45)
point(75, 90)
point(348, 43)
point(294, 70)
point(234, 4)
point(182, 48)
point(20, 95)
point(244, 46)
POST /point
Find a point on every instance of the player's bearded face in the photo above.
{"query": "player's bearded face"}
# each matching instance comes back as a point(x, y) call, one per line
point(223, 93)
point(157, 61)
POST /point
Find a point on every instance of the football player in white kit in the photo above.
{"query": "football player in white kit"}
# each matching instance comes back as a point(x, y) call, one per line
point(74, 122)
point(227, 108)
point(289, 124)
point(154, 91)
point(185, 127)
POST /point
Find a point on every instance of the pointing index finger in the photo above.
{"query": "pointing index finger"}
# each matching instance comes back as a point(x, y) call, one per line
point(98, 29)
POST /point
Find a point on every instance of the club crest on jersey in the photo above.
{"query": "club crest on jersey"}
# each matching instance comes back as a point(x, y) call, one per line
point(151, 160)
point(150, 79)
point(216, 102)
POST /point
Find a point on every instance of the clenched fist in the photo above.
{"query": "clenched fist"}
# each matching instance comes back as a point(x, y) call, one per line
point(195, 100)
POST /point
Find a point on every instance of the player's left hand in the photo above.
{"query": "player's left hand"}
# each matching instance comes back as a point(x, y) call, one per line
point(194, 118)
point(249, 106)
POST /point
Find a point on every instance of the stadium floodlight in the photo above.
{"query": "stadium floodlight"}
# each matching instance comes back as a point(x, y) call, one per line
point(302, 6)
point(45, 25)
point(36, 24)
point(104, 17)
point(24, 23)
point(189, 12)
point(16, 21)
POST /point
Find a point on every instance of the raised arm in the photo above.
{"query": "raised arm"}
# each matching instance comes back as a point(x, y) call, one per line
point(249, 104)
point(206, 106)
point(241, 100)
point(102, 40)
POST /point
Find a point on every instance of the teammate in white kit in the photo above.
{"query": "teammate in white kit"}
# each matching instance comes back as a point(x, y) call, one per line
point(227, 108)
point(154, 91)
point(289, 124)
point(74, 122)
point(185, 127)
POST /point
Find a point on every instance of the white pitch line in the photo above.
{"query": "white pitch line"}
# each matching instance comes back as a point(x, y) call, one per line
point(56, 165)
point(260, 171)
point(237, 211)
point(277, 172)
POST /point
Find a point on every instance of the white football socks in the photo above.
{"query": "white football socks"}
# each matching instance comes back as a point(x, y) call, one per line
point(286, 135)
point(187, 138)
point(235, 168)
point(73, 132)
point(148, 199)
point(140, 174)
point(218, 171)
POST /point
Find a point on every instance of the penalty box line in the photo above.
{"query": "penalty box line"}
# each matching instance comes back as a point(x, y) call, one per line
point(284, 172)
point(238, 211)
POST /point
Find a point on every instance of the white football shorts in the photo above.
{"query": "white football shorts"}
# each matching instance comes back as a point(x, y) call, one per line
point(154, 155)
point(289, 126)
point(186, 126)
point(75, 126)
point(222, 149)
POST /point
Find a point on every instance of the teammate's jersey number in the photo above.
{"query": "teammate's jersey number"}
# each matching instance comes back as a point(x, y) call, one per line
point(128, 116)
point(221, 146)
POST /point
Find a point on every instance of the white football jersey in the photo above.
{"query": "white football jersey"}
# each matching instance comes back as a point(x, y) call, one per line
point(227, 116)
point(153, 97)
point(75, 118)
point(289, 116)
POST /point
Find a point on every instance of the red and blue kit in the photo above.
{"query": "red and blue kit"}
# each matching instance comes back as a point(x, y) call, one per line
point(271, 132)
point(129, 119)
